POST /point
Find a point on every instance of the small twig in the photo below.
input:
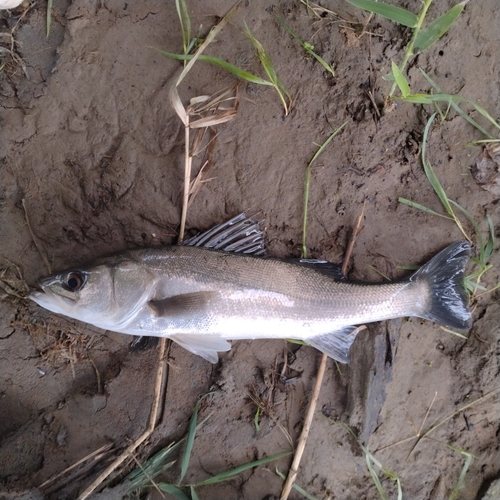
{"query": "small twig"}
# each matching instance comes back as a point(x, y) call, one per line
point(434, 427)
point(419, 433)
point(292, 473)
point(39, 245)
point(97, 374)
point(356, 230)
point(149, 430)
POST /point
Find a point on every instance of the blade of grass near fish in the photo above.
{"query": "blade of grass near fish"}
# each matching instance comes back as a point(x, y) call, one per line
point(185, 22)
point(190, 437)
point(230, 68)
point(307, 185)
point(267, 64)
point(396, 14)
point(461, 478)
point(173, 490)
point(400, 80)
point(437, 28)
point(459, 110)
point(227, 475)
point(434, 181)
point(309, 48)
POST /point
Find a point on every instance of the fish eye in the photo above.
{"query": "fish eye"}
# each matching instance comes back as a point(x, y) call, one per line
point(75, 281)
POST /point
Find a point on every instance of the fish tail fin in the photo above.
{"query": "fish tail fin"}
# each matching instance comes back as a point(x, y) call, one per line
point(444, 274)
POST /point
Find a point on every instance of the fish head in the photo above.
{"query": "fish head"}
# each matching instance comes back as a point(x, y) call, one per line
point(106, 294)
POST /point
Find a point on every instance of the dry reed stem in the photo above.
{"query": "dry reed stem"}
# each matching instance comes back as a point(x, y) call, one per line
point(292, 473)
point(184, 115)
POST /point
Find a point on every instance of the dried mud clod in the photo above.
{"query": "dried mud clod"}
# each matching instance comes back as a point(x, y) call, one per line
point(486, 169)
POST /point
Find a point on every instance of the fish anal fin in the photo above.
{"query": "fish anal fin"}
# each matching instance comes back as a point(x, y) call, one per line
point(183, 305)
point(335, 344)
point(206, 346)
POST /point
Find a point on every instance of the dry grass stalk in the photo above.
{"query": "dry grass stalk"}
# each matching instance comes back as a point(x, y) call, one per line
point(95, 455)
point(292, 473)
point(184, 115)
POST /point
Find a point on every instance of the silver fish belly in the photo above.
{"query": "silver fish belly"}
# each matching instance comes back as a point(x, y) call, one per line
point(217, 288)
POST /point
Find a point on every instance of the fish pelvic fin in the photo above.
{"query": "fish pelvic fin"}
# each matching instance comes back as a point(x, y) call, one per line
point(206, 346)
point(444, 274)
point(335, 344)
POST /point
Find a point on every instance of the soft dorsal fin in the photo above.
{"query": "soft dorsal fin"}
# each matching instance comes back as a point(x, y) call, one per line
point(324, 267)
point(240, 234)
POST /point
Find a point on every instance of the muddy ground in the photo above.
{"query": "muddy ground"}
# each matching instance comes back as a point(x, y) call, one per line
point(90, 142)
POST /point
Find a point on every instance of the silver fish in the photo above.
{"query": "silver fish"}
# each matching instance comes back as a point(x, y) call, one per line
point(218, 286)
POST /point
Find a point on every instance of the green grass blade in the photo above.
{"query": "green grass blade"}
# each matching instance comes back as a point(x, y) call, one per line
point(225, 476)
point(400, 80)
point(456, 99)
point(453, 332)
point(373, 268)
point(140, 477)
point(437, 28)
point(396, 14)
point(325, 144)
point(421, 207)
point(267, 64)
point(307, 185)
point(463, 472)
point(476, 229)
point(296, 487)
point(306, 46)
point(488, 250)
point(185, 22)
point(49, 16)
point(418, 99)
point(173, 490)
point(190, 438)
point(434, 181)
point(374, 475)
point(194, 495)
point(244, 75)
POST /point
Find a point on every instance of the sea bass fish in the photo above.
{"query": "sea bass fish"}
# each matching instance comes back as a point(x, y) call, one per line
point(219, 286)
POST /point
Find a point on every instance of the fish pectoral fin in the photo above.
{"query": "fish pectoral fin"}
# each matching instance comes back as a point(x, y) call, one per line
point(206, 346)
point(183, 305)
point(335, 344)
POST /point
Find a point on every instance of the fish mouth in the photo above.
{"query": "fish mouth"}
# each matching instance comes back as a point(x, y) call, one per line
point(51, 301)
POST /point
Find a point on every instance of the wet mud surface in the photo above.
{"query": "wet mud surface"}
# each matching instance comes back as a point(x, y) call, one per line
point(89, 141)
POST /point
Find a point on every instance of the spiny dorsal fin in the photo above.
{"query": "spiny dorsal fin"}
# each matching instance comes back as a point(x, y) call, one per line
point(240, 234)
point(324, 267)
